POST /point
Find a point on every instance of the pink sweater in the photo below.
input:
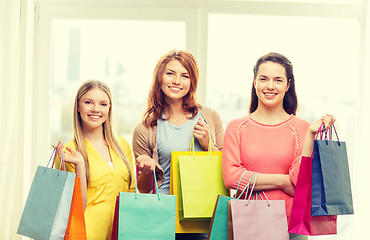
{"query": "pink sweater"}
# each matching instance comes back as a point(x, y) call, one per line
point(256, 147)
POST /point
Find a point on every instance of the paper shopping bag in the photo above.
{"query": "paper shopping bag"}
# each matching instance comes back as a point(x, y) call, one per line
point(301, 221)
point(219, 224)
point(175, 189)
point(146, 216)
point(259, 219)
point(46, 212)
point(76, 228)
point(331, 186)
point(201, 183)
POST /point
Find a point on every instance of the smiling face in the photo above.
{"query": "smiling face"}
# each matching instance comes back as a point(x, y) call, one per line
point(271, 84)
point(175, 82)
point(93, 108)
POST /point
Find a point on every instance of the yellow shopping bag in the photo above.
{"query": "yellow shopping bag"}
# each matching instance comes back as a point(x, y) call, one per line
point(204, 161)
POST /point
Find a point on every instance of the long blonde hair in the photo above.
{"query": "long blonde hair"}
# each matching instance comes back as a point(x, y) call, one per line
point(108, 132)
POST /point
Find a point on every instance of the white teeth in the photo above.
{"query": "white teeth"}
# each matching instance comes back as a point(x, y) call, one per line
point(176, 88)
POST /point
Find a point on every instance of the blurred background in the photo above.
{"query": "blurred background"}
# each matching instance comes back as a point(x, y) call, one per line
point(49, 47)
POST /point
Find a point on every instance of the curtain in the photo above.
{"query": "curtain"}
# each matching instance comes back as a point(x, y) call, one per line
point(11, 121)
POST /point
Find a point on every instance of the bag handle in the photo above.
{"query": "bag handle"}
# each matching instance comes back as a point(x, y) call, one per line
point(246, 187)
point(323, 129)
point(192, 145)
point(251, 194)
point(53, 156)
point(155, 189)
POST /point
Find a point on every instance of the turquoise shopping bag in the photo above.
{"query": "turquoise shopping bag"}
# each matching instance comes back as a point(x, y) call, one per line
point(46, 213)
point(144, 216)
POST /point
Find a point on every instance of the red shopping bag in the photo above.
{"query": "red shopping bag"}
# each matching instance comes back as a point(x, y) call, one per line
point(76, 228)
point(301, 221)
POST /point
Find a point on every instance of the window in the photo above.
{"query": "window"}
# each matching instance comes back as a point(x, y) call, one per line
point(121, 53)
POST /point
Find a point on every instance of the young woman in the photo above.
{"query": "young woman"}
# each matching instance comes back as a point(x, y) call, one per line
point(103, 162)
point(271, 139)
point(172, 118)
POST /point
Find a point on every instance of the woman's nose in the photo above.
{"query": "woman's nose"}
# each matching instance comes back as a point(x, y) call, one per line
point(176, 79)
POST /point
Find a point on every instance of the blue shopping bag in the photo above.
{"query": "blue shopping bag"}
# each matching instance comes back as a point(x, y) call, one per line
point(331, 186)
point(144, 216)
point(46, 212)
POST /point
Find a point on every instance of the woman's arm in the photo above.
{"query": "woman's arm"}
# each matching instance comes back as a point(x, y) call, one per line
point(144, 161)
point(232, 167)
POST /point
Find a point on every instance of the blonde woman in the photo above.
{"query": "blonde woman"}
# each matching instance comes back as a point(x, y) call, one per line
point(103, 162)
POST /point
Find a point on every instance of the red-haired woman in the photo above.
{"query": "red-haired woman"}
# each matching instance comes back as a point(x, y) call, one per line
point(171, 119)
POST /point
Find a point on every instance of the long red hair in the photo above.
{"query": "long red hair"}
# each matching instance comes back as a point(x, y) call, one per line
point(156, 99)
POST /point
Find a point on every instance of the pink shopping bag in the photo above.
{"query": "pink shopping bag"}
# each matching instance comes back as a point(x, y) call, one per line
point(301, 221)
point(259, 219)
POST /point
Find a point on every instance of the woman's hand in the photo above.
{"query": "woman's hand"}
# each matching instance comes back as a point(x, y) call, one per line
point(328, 120)
point(69, 156)
point(145, 164)
point(201, 132)
point(288, 186)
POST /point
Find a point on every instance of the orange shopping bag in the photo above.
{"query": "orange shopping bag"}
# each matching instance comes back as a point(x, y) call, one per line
point(76, 229)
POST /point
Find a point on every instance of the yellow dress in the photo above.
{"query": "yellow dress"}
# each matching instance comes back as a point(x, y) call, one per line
point(103, 188)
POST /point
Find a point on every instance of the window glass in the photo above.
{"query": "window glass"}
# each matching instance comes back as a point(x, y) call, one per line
point(325, 56)
point(121, 53)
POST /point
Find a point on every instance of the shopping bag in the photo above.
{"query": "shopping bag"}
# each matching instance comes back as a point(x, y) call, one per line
point(230, 233)
point(46, 212)
point(301, 221)
point(175, 189)
point(260, 219)
point(201, 183)
point(146, 216)
point(218, 229)
point(331, 186)
point(115, 221)
point(76, 228)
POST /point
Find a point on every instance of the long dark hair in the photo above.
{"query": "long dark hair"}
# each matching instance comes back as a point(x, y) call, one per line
point(290, 103)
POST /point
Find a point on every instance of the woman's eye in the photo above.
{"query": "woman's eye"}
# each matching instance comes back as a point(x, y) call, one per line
point(104, 104)
point(170, 73)
point(185, 76)
point(87, 102)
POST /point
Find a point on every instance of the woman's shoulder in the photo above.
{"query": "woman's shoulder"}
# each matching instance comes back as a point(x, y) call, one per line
point(237, 122)
point(300, 122)
point(208, 111)
point(125, 145)
point(142, 130)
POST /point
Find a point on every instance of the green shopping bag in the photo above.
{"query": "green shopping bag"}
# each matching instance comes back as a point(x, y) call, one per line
point(144, 216)
point(201, 183)
point(46, 213)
